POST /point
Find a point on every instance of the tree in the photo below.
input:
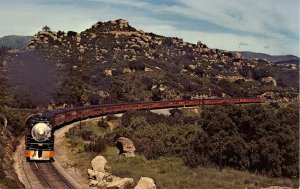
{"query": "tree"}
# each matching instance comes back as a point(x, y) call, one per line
point(156, 95)
point(71, 91)
point(46, 28)
point(94, 99)
point(71, 33)
point(137, 65)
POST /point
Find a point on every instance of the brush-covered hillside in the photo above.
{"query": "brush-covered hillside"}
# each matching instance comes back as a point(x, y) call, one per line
point(112, 61)
point(15, 41)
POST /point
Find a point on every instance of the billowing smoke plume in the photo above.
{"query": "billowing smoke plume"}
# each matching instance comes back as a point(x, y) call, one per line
point(32, 78)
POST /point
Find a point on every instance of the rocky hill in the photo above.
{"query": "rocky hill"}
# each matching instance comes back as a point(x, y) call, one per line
point(112, 61)
point(15, 41)
point(276, 59)
point(271, 58)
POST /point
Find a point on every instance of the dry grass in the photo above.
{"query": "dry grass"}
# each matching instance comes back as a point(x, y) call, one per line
point(171, 173)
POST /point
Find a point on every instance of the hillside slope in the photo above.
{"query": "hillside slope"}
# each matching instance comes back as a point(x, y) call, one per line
point(15, 41)
point(271, 58)
point(112, 61)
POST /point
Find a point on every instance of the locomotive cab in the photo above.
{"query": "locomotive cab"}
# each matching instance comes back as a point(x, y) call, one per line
point(39, 139)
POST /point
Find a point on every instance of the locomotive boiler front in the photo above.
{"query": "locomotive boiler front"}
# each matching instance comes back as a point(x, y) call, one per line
point(41, 132)
point(39, 139)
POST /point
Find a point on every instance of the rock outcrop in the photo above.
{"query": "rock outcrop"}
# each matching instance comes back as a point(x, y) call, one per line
point(102, 179)
point(120, 183)
point(98, 164)
point(91, 173)
point(43, 38)
point(110, 50)
point(270, 80)
point(145, 183)
point(125, 146)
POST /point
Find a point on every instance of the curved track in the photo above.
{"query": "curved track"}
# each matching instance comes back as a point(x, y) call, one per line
point(48, 176)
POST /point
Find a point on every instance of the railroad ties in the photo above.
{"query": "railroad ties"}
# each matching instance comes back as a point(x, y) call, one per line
point(48, 176)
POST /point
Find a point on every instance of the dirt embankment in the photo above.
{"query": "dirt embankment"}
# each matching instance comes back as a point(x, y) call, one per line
point(22, 168)
point(62, 161)
point(7, 146)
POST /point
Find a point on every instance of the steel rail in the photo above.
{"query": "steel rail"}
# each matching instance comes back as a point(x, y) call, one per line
point(49, 176)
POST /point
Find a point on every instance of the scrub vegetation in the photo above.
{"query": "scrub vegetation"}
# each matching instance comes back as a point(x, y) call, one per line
point(218, 146)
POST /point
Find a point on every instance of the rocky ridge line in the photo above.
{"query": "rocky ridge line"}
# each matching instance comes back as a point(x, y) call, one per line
point(119, 49)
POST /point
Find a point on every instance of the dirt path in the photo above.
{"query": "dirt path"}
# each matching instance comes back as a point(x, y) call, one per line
point(62, 160)
point(22, 168)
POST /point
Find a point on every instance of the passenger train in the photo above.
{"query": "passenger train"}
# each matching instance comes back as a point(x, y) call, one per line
point(40, 127)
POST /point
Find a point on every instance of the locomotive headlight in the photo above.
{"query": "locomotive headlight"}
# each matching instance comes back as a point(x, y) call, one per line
point(41, 132)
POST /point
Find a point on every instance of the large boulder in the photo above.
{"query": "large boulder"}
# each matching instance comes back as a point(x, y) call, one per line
point(145, 183)
point(121, 183)
point(93, 183)
point(237, 55)
point(270, 80)
point(100, 176)
point(102, 184)
point(126, 147)
point(102, 179)
point(268, 95)
point(92, 173)
point(122, 23)
point(98, 164)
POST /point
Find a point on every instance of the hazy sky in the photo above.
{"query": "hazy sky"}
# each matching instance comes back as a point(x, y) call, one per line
point(268, 26)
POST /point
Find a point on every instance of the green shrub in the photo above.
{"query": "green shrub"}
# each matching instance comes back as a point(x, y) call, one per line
point(122, 173)
point(103, 124)
point(87, 135)
point(248, 137)
point(97, 145)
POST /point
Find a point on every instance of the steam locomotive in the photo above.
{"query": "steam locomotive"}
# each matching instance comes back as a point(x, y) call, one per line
point(39, 138)
point(40, 127)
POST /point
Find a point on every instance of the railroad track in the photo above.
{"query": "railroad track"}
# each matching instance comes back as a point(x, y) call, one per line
point(48, 176)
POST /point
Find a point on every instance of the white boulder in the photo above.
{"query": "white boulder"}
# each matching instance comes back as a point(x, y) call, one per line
point(100, 176)
point(145, 183)
point(98, 164)
point(121, 183)
point(126, 146)
point(91, 173)
point(270, 80)
point(93, 183)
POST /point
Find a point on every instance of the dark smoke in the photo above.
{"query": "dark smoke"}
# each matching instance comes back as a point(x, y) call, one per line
point(33, 79)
